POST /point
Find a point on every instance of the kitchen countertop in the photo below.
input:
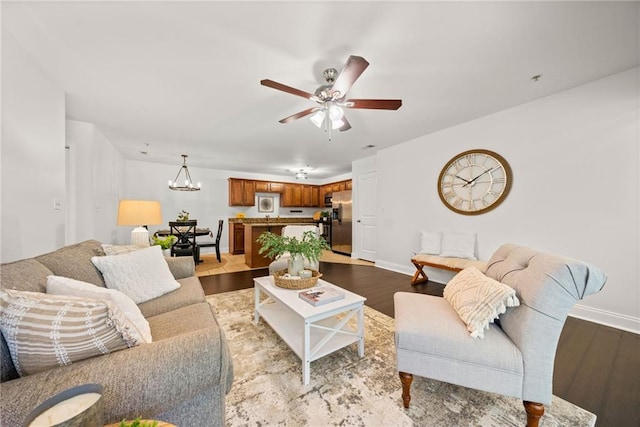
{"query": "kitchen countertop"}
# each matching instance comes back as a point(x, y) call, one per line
point(272, 221)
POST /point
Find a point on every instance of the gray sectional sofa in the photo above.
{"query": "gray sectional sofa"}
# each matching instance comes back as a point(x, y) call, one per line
point(182, 377)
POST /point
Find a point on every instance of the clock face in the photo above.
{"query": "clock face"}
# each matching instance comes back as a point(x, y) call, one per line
point(474, 182)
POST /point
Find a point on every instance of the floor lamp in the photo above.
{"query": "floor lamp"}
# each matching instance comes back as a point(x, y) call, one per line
point(139, 213)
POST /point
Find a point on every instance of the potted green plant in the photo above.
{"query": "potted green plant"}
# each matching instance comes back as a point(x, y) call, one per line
point(164, 242)
point(309, 247)
point(183, 215)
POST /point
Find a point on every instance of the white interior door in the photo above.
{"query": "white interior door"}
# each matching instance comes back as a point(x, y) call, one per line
point(367, 219)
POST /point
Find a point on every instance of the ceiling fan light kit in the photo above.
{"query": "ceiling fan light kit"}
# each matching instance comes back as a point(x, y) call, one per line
point(332, 97)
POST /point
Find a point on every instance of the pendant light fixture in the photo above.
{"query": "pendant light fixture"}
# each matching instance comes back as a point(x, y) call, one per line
point(188, 185)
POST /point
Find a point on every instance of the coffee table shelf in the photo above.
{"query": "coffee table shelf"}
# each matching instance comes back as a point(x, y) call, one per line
point(311, 332)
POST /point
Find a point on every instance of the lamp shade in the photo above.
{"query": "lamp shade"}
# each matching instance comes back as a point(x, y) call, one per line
point(139, 212)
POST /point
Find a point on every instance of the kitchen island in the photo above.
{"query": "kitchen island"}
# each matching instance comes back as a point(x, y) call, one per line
point(251, 248)
point(236, 229)
point(251, 232)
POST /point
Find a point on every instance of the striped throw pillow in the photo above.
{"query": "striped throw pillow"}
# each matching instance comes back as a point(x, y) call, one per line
point(478, 299)
point(45, 331)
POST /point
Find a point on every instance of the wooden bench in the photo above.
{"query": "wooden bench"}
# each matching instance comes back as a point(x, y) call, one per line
point(444, 263)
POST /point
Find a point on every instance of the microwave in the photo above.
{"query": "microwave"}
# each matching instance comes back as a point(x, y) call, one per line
point(327, 200)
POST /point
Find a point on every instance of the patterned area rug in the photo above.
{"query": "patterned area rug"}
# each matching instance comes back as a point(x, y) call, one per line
point(346, 390)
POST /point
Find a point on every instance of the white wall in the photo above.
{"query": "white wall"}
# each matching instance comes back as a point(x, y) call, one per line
point(575, 166)
point(94, 168)
point(33, 156)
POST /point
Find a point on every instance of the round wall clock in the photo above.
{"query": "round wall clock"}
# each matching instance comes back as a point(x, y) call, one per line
point(474, 182)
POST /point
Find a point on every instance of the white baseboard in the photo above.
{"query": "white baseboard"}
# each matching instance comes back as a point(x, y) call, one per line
point(398, 268)
point(603, 317)
point(607, 318)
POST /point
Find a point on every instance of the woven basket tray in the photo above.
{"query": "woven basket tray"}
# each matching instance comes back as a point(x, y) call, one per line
point(296, 283)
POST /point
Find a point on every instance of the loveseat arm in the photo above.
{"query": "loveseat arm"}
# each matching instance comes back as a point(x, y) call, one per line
point(181, 267)
point(139, 381)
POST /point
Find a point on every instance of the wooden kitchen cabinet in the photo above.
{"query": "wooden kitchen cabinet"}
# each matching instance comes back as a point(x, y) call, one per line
point(291, 196)
point(262, 186)
point(348, 185)
point(335, 187)
point(276, 187)
point(236, 238)
point(306, 195)
point(268, 187)
point(252, 257)
point(242, 192)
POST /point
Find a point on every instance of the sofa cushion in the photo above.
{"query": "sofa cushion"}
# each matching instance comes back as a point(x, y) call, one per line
point(57, 285)
point(142, 274)
point(45, 331)
point(478, 299)
point(24, 275)
point(74, 261)
point(434, 343)
point(120, 249)
point(182, 320)
point(189, 292)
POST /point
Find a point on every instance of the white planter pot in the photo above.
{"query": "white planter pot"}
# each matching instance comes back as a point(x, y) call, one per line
point(296, 264)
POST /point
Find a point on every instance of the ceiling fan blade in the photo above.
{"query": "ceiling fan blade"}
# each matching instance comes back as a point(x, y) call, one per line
point(354, 66)
point(346, 125)
point(374, 104)
point(299, 115)
point(285, 88)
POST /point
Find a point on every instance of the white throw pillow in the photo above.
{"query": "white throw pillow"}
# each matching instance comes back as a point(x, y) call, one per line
point(57, 285)
point(142, 275)
point(430, 242)
point(45, 331)
point(458, 245)
point(478, 299)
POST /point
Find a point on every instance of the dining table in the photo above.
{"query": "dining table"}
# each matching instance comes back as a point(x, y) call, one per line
point(185, 237)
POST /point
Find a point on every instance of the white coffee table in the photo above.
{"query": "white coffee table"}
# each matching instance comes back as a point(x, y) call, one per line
point(311, 332)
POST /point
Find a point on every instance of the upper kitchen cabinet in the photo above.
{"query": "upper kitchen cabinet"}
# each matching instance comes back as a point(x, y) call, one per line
point(269, 187)
point(241, 192)
point(291, 196)
point(276, 187)
point(310, 196)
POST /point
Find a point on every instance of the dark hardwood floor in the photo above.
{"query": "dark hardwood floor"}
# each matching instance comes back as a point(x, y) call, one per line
point(596, 367)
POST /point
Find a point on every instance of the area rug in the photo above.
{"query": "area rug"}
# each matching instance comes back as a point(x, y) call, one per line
point(209, 262)
point(346, 390)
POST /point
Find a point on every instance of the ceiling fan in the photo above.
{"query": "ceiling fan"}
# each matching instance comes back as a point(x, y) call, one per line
point(331, 97)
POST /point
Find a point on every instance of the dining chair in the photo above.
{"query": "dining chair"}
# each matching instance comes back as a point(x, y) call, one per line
point(186, 244)
point(215, 244)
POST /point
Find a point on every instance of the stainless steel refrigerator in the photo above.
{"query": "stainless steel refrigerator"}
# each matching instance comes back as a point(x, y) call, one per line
point(341, 222)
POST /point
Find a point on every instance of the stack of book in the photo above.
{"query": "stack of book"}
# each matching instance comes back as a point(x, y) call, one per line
point(320, 295)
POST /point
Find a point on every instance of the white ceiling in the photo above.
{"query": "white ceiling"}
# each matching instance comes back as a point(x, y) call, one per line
point(183, 77)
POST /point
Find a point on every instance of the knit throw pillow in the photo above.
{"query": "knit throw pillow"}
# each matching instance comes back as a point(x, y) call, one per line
point(478, 299)
point(45, 331)
point(142, 275)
